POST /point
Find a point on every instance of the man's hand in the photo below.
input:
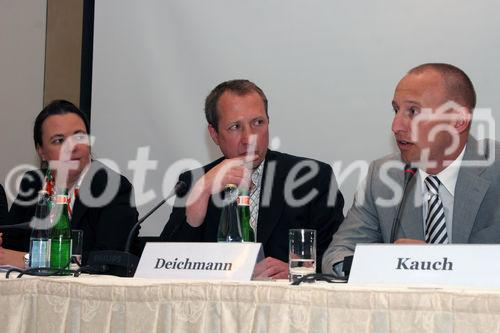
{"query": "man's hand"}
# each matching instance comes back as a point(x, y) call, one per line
point(409, 241)
point(230, 171)
point(11, 257)
point(270, 268)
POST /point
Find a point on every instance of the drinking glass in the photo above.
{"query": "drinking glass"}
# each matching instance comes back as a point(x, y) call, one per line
point(76, 248)
point(302, 253)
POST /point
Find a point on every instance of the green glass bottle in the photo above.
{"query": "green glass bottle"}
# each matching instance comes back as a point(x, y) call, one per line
point(60, 234)
point(247, 231)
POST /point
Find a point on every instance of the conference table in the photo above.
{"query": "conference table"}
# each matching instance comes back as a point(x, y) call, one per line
point(106, 303)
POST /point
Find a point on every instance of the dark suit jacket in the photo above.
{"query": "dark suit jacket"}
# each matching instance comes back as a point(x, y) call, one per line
point(106, 222)
point(275, 219)
point(3, 206)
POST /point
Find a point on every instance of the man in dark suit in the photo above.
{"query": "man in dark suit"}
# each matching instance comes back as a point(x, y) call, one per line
point(103, 209)
point(3, 206)
point(3, 213)
point(285, 191)
point(100, 201)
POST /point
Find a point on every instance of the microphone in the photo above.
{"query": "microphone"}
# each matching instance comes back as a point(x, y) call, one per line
point(409, 172)
point(180, 190)
point(123, 263)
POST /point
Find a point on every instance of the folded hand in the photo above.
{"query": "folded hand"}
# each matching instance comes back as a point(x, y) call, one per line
point(270, 268)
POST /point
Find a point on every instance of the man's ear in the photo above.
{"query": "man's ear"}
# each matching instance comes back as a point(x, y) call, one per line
point(40, 153)
point(462, 122)
point(214, 134)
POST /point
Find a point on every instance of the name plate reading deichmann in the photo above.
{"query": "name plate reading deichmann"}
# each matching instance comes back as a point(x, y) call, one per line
point(199, 261)
point(459, 265)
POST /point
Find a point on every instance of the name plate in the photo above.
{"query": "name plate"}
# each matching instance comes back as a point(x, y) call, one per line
point(467, 265)
point(199, 261)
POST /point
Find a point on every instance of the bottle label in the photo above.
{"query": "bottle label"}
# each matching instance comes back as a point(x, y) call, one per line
point(243, 200)
point(61, 199)
point(40, 253)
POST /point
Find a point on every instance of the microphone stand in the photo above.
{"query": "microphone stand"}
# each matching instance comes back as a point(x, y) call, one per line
point(409, 173)
point(124, 263)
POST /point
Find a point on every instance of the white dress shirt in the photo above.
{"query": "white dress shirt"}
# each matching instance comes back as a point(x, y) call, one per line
point(448, 179)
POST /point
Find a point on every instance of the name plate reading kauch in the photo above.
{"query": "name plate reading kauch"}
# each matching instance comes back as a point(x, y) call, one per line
point(199, 261)
point(460, 265)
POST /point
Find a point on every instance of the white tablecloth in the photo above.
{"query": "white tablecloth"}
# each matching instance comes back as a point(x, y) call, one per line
point(104, 303)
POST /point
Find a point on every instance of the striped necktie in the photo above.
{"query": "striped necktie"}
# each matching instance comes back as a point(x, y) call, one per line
point(254, 205)
point(435, 223)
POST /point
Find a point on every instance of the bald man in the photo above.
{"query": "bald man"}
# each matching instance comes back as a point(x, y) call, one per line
point(453, 196)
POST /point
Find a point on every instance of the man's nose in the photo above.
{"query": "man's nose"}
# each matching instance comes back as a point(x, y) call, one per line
point(248, 136)
point(399, 123)
point(70, 145)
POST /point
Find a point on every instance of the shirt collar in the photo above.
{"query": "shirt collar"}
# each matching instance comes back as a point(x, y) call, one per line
point(81, 177)
point(448, 176)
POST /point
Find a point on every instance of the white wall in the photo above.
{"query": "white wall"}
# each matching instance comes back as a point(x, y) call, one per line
point(329, 69)
point(22, 42)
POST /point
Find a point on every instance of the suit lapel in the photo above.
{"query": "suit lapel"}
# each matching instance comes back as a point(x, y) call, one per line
point(271, 201)
point(469, 193)
point(79, 210)
point(411, 218)
point(95, 185)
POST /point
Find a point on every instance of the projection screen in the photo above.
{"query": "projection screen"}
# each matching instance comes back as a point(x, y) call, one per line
point(329, 69)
